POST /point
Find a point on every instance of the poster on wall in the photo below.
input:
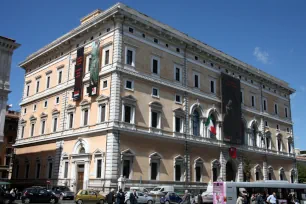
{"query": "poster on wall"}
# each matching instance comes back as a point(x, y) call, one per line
point(78, 74)
point(231, 109)
point(218, 193)
point(94, 69)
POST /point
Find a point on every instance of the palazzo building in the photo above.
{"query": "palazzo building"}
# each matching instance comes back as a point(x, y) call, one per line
point(7, 47)
point(155, 117)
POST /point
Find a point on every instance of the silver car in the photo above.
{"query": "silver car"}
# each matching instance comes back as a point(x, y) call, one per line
point(142, 198)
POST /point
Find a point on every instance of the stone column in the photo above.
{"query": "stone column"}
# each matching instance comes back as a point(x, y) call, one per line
point(112, 156)
point(86, 174)
point(265, 170)
point(57, 160)
point(223, 161)
point(73, 175)
point(117, 53)
point(240, 169)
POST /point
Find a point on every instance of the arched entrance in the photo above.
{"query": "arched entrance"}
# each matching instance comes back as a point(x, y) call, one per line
point(231, 171)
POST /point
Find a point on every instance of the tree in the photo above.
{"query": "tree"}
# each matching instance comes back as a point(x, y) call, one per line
point(246, 170)
point(301, 168)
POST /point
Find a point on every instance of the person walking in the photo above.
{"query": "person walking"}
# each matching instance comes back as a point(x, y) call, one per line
point(120, 197)
point(133, 197)
point(259, 199)
point(272, 198)
point(240, 199)
point(110, 197)
point(186, 198)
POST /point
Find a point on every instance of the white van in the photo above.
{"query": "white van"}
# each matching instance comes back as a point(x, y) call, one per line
point(161, 190)
point(142, 189)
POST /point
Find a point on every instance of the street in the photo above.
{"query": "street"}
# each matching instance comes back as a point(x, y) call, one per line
point(62, 201)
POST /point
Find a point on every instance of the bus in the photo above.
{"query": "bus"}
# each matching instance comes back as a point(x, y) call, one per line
point(228, 192)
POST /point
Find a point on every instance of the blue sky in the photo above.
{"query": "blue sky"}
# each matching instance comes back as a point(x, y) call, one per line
point(269, 35)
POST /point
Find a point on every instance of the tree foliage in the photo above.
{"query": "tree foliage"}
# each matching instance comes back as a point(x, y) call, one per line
point(301, 172)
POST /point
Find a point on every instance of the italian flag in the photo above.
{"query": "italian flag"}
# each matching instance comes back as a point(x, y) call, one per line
point(210, 125)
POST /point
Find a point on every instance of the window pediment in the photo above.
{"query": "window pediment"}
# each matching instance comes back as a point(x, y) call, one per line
point(48, 72)
point(129, 100)
point(55, 112)
point(33, 118)
point(65, 156)
point(70, 107)
point(98, 153)
point(155, 156)
point(28, 82)
point(102, 98)
point(23, 121)
point(156, 105)
point(43, 115)
point(84, 102)
point(38, 77)
point(179, 112)
point(178, 160)
point(279, 136)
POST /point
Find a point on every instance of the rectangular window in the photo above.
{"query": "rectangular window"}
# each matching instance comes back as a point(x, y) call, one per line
point(155, 66)
point(22, 132)
point(102, 113)
point(215, 174)
point(43, 125)
point(131, 30)
point(154, 122)
point(155, 92)
point(198, 173)
point(32, 129)
point(57, 100)
point(54, 124)
point(127, 114)
point(45, 104)
point(59, 80)
point(276, 109)
point(196, 81)
point(155, 40)
point(241, 96)
point(106, 59)
point(129, 84)
point(104, 86)
point(28, 90)
point(177, 124)
point(70, 120)
point(48, 82)
point(88, 62)
point(85, 117)
point(99, 168)
point(253, 101)
point(37, 86)
point(7, 161)
point(212, 86)
point(37, 170)
point(126, 168)
point(265, 105)
point(178, 98)
point(27, 171)
point(286, 112)
point(66, 170)
point(154, 171)
point(129, 57)
point(24, 110)
point(266, 123)
point(178, 172)
point(50, 170)
point(177, 74)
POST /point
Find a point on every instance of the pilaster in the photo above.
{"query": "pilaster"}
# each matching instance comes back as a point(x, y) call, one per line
point(223, 161)
point(265, 170)
point(57, 160)
point(240, 169)
point(117, 53)
point(115, 98)
point(112, 156)
point(187, 163)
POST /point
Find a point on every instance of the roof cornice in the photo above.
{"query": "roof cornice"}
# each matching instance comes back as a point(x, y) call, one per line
point(216, 54)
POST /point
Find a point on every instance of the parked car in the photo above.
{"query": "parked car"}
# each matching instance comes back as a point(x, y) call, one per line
point(161, 190)
point(89, 196)
point(38, 195)
point(5, 197)
point(63, 192)
point(141, 189)
point(142, 198)
point(170, 197)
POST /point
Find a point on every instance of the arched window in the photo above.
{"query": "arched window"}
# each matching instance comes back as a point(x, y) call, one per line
point(198, 169)
point(292, 176)
point(178, 168)
point(270, 173)
point(268, 140)
point(215, 170)
point(254, 135)
point(82, 150)
point(279, 143)
point(282, 174)
point(196, 123)
point(258, 173)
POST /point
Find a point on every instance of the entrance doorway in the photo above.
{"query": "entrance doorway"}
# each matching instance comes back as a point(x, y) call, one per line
point(80, 177)
point(230, 171)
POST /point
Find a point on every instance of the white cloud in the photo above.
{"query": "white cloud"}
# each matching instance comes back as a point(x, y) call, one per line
point(261, 55)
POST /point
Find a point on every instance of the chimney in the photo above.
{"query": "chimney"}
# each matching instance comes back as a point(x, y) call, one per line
point(91, 16)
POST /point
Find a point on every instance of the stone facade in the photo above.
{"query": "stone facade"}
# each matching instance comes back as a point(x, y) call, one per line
point(147, 124)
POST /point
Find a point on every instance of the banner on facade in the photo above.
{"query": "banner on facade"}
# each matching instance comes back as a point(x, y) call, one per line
point(78, 70)
point(231, 109)
point(94, 69)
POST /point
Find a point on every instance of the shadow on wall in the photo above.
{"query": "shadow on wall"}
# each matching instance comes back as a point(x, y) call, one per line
point(35, 169)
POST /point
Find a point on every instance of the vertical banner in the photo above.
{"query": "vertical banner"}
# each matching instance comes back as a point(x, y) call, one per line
point(231, 109)
point(94, 69)
point(78, 70)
